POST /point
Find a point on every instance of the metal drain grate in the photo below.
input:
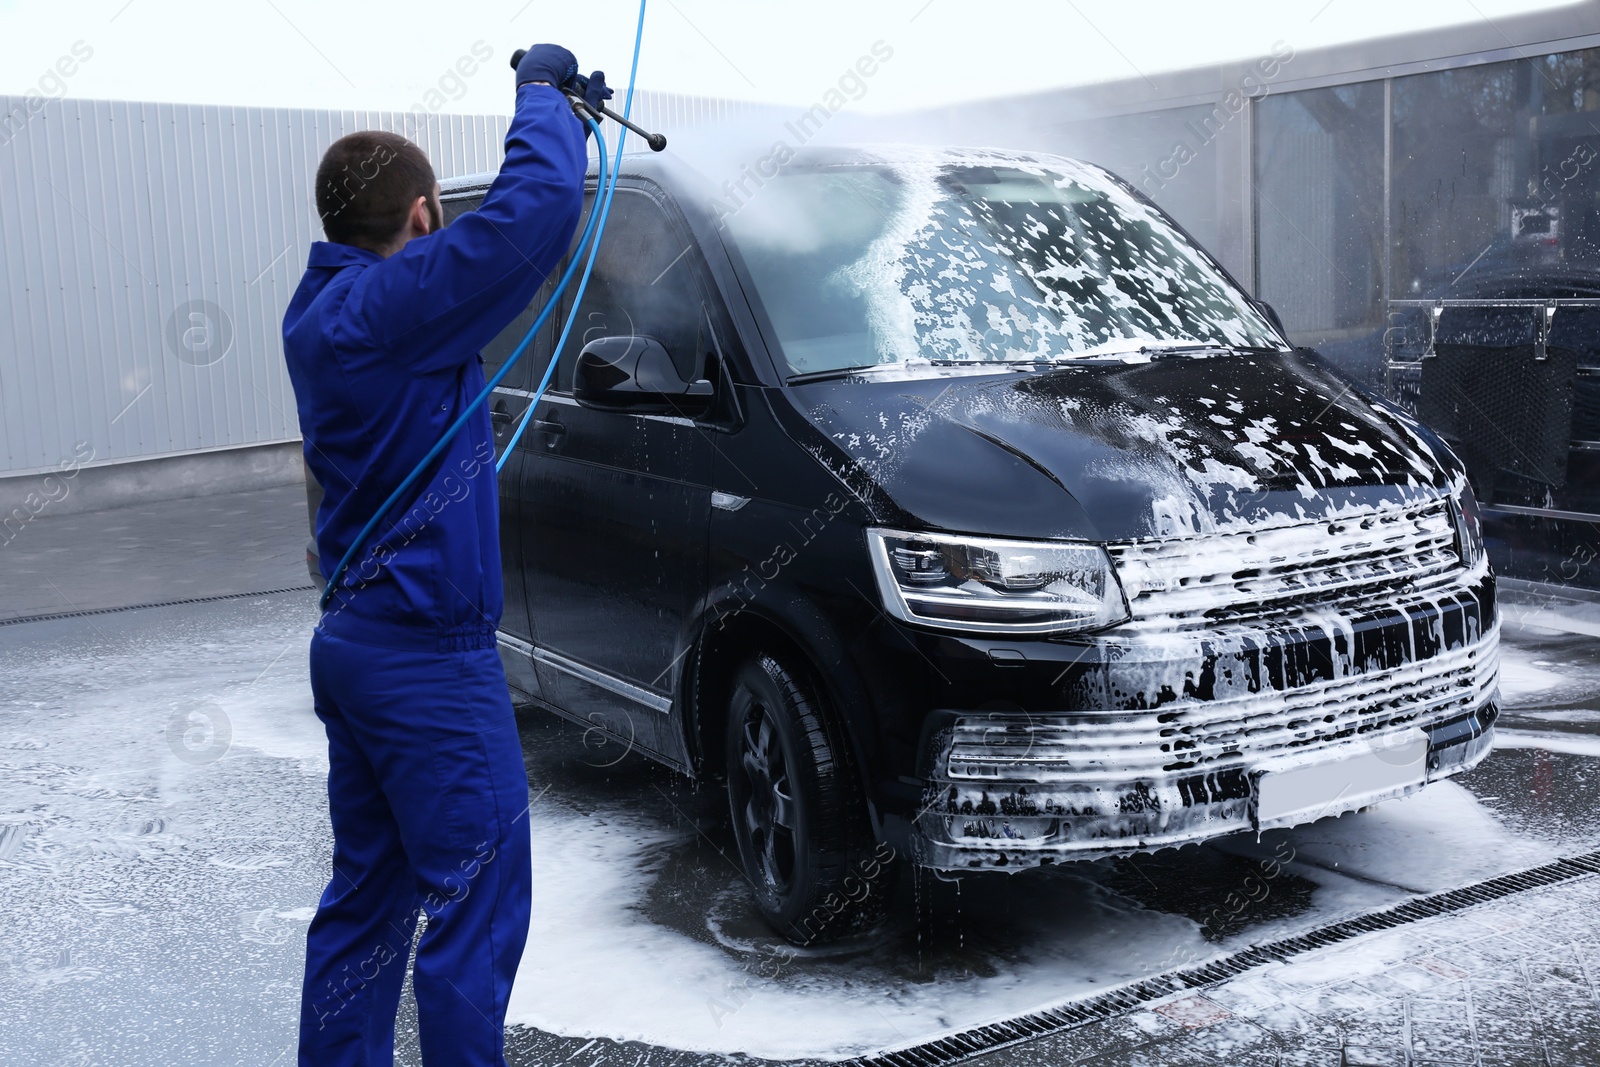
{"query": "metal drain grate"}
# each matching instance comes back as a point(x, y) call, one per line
point(969, 1043)
point(155, 604)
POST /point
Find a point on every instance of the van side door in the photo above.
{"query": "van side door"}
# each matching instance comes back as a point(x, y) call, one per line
point(616, 509)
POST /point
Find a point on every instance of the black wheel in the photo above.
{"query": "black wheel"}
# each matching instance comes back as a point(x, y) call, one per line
point(798, 812)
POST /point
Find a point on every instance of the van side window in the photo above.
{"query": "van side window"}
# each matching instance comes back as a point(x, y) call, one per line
point(526, 374)
point(643, 283)
point(454, 209)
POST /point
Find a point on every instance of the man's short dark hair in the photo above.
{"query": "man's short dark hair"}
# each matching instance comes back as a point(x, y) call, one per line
point(366, 184)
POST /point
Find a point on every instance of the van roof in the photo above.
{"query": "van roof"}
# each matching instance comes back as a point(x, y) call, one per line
point(674, 171)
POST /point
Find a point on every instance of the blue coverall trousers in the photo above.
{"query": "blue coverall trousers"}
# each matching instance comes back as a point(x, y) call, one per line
point(429, 800)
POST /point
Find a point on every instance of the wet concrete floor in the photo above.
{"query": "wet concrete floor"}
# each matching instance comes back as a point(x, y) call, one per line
point(163, 840)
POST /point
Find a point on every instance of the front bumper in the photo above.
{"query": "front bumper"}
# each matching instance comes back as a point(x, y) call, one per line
point(1181, 728)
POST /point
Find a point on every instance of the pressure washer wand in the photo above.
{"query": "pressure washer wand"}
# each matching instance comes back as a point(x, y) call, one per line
point(656, 141)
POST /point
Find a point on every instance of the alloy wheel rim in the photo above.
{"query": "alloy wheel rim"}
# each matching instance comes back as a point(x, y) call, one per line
point(768, 812)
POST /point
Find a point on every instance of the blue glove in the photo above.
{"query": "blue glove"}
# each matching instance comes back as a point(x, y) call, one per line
point(547, 63)
point(595, 92)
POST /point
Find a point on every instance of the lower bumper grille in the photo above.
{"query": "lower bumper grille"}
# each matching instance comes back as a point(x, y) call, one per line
point(1201, 735)
point(1163, 739)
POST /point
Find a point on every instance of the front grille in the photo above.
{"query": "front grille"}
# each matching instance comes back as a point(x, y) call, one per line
point(1192, 582)
point(1117, 746)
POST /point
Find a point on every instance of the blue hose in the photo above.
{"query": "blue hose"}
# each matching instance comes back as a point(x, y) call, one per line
point(594, 228)
point(610, 189)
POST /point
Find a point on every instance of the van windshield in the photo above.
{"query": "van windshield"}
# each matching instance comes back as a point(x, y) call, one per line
point(940, 262)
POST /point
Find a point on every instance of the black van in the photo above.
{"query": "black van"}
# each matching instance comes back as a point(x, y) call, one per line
point(954, 506)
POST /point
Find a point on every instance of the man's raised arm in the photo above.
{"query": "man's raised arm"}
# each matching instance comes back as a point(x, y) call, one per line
point(439, 299)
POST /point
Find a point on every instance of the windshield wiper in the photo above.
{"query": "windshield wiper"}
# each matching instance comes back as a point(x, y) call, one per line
point(1178, 348)
point(996, 364)
point(1165, 349)
point(823, 375)
point(1094, 355)
point(1153, 350)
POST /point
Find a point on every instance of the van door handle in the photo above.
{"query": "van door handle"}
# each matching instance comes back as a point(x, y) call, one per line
point(549, 426)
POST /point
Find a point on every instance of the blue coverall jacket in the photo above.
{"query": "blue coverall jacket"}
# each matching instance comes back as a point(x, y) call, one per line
point(383, 354)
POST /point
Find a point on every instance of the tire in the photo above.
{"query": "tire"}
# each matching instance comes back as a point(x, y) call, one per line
point(798, 811)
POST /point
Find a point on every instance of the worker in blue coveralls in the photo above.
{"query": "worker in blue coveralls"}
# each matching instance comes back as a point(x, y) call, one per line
point(426, 786)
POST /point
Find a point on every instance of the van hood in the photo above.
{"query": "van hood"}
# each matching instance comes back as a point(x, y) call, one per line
point(1175, 446)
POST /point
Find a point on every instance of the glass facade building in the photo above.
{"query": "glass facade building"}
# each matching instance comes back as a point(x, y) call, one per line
point(1437, 234)
point(1407, 187)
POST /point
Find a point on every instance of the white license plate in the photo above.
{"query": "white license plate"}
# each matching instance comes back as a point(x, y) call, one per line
point(1301, 794)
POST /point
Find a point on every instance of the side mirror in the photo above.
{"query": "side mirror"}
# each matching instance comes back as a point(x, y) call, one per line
point(635, 374)
point(1270, 313)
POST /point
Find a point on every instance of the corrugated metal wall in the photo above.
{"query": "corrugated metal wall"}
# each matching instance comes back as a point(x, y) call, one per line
point(149, 251)
point(1296, 238)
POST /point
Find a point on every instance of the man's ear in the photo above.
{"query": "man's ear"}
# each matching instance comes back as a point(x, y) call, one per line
point(421, 218)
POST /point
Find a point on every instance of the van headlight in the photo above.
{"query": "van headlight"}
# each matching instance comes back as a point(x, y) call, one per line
point(1468, 521)
point(991, 584)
